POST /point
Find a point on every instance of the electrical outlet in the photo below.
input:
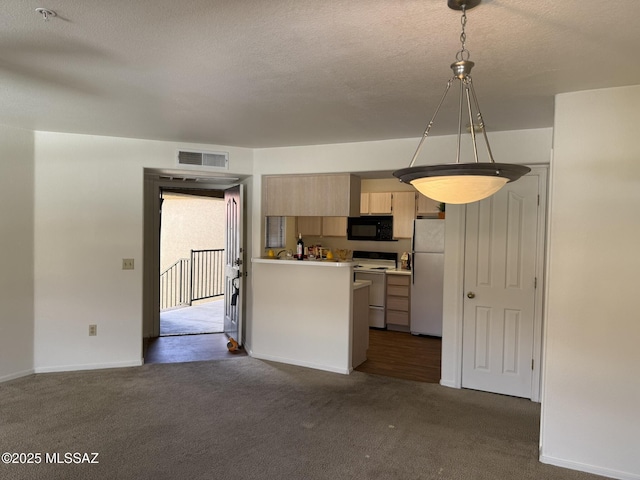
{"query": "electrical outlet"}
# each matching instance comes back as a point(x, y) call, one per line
point(93, 330)
point(127, 263)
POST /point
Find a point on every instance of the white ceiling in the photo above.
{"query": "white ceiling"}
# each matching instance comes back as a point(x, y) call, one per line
point(260, 73)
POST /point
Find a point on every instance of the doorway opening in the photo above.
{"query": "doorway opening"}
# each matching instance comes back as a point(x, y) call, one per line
point(190, 342)
point(192, 240)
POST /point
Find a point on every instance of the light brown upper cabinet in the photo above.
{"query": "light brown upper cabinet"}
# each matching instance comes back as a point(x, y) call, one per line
point(309, 226)
point(334, 226)
point(375, 203)
point(322, 226)
point(426, 206)
point(404, 212)
point(330, 195)
point(364, 203)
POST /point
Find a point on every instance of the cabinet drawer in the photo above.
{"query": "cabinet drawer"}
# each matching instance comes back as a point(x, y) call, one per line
point(398, 290)
point(398, 303)
point(398, 279)
point(398, 318)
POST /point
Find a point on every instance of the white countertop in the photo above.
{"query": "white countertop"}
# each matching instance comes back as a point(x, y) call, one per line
point(361, 284)
point(397, 271)
point(306, 263)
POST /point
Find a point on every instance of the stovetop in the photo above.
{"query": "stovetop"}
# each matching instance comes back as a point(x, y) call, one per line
point(376, 261)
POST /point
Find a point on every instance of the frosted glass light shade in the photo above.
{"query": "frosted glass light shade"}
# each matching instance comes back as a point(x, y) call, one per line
point(458, 189)
point(461, 182)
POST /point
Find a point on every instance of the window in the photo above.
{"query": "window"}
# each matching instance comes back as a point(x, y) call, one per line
point(275, 232)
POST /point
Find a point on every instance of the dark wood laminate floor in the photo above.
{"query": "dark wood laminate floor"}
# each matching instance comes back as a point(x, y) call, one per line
point(188, 348)
point(393, 354)
point(402, 355)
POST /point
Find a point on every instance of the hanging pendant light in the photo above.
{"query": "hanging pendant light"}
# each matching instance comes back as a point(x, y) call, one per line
point(461, 182)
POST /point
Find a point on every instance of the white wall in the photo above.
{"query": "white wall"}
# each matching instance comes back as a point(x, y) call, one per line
point(16, 252)
point(591, 397)
point(88, 217)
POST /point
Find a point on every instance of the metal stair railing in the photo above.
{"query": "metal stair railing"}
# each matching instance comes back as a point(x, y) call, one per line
point(175, 285)
point(207, 274)
point(190, 279)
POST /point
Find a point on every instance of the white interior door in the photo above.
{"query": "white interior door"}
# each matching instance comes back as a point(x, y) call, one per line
point(500, 281)
point(234, 263)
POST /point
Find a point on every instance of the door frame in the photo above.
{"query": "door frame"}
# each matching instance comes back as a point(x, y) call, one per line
point(154, 181)
point(452, 345)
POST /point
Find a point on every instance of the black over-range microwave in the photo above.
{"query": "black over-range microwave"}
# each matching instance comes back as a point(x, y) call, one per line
point(370, 228)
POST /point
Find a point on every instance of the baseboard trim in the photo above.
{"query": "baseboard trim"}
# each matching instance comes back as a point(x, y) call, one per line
point(90, 366)
point(326, 368)
point(13, 376)
point(584, 467)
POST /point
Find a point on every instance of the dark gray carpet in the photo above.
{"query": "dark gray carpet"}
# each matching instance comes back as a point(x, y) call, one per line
point(247, 419)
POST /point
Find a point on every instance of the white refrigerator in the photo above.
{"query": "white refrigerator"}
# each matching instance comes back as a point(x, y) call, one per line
point(427, 274)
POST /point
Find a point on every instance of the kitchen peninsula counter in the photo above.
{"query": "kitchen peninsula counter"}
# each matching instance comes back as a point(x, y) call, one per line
point(303, 313)
point(303, 263)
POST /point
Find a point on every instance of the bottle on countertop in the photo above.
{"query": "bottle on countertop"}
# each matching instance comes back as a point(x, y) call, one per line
point(300, 247)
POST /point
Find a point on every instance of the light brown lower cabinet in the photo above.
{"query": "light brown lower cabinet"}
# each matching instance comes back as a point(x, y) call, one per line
point(398, 301)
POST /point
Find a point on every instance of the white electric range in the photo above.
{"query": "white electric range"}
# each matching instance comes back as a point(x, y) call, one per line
point(372, 266)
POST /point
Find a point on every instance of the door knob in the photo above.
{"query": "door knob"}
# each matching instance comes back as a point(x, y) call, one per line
point(471, 295)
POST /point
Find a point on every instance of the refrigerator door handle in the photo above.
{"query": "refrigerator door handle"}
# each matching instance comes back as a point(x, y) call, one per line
point(413, 254)
point(413, 238)
point(413, 268)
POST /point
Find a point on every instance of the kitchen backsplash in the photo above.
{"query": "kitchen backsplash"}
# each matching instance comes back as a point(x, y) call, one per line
point(400, 246)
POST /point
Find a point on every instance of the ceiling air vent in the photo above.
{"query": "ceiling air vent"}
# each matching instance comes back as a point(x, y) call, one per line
point(204, 159)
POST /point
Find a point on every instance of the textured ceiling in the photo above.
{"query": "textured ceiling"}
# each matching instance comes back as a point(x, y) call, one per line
point(260, 73)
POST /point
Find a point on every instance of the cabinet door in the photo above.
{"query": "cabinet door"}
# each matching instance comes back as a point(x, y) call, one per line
point(364, 203)
point(380, 203)
point(398, 318)
point(310, 195)
point(310, 226)
point(404, 212)
point(426, 206)
point(334, 226)
point(398, 306)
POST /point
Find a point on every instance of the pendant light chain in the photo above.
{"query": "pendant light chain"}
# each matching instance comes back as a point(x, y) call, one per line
point(460, 183)
point(463, 54)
